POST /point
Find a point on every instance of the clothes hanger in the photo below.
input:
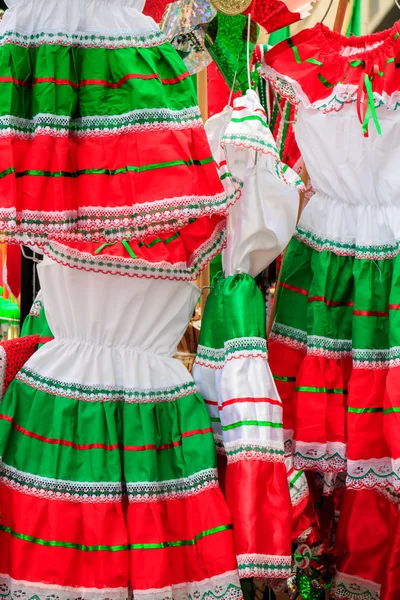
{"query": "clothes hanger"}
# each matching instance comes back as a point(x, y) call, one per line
point(397, 3)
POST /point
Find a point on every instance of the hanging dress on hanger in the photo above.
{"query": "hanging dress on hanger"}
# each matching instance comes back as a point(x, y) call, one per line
point(108, 485)
point(334, 347)
point(231, 368)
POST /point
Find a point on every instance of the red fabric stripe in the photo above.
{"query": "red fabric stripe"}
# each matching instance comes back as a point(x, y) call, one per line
point(69, 444)
point(370, 313)
point(197, 432)
point(44, 340)
point(329, 302)
point(211, 402)
point(394, 306)
point(260, 110)
point(102, 82)
point(292, 288)
point(250, 400)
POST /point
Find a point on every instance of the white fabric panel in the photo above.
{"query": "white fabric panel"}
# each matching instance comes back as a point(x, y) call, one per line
point(113, 331)
point(356, 179)
point(73, 16)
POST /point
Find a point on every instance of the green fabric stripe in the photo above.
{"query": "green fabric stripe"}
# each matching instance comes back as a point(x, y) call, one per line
point(251, 423)
point(386, 411)
point(322, 390)
point(251, 118)
point(121, 548)
point(110, 172)
point(360, 411)
point(295, 478)
point(112, 423)
point(284, 379)
point(78, 64)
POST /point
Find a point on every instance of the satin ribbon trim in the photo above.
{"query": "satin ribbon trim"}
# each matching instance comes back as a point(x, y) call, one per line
point(295, 51)
point(252, 423)
point(292, 288)
point(362, 411)
point(284, 379)
point(120, 548)
point(295, 478)
point(333, 303)
point(370, 313)
point(251, 118)
point(322, 390)
point(110, 172)
point(101, 82)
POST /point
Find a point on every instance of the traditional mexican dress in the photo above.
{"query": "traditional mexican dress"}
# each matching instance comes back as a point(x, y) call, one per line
point(231, 367)
point(108, 472)
point(334, 348)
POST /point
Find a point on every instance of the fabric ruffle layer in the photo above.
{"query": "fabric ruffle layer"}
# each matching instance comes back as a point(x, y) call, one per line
point(322, 69)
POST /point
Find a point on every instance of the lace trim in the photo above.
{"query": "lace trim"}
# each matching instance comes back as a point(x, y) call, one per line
point(222, 587)
point(335, 349)
point(146, 39)
point(238, 451)
point(215, 358)
point(100, 126)
point(264, 565)
point(98, 492)
point(122, 222)
point(289, 336)
point(341, 95)
point(373, 473)
point(3, 371)
point(298, 484)
point(329, 457)
point(259, 144)
point(346, 248)
point(350, 587)
point(140, 268)
point(93, 393)
point(25, 590)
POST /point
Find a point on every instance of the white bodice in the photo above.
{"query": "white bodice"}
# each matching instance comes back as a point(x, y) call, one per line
point(76, 17)
point(356, 179)
point(113, 331)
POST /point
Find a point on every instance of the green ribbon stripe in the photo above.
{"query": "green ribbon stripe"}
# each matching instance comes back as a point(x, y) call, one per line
point(251, 118)
point(284, 379)
point(123, 170)
point(120, 548)
point(322, 390)
point(295, 478)
point(362, 411)
point(252, 423)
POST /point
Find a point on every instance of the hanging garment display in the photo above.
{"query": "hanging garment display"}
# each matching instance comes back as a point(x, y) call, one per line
point(77, 108)
point(108, 473)
point(335, 341)
point(231, 367)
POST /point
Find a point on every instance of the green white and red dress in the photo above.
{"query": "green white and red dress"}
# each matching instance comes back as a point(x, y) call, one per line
point(231, 368)
point(335, 343)
point(108, 472)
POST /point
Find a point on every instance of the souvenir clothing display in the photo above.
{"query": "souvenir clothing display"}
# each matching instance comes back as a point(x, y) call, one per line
point(82, 86)
point(108, 474)
point(231, 368)
point(334, 347)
